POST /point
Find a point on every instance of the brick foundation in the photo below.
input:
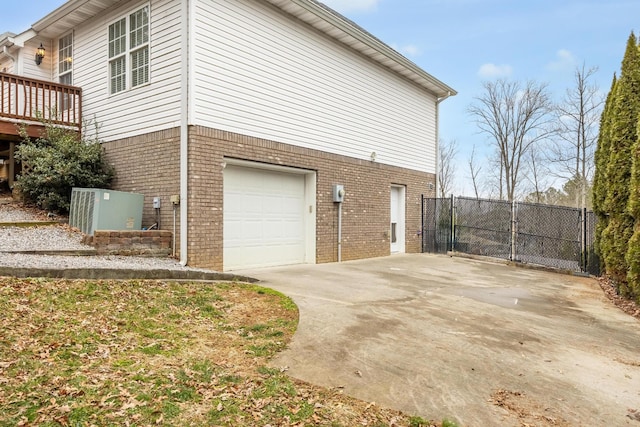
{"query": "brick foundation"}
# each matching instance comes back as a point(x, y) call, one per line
point(149, 164)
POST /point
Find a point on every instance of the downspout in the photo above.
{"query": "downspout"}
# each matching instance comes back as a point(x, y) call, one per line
point(184, 130)
point(438, 101)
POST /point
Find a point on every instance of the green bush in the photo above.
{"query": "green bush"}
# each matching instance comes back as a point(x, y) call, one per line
point(55, 163)
point(614, 244)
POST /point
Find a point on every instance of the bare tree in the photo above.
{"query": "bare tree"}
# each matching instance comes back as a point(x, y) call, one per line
point(578, 117)
point(474, 170)
point(516, 118)
point(447, 151)
point(537, 174)
point(493, 184)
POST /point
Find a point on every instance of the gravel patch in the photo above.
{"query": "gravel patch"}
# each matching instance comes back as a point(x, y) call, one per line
point(94, 262)
point(50, 238)
point(10, 212)
point(61, 238)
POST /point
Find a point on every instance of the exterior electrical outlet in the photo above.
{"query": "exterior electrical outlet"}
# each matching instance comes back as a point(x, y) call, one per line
point(97, 209)
point(338, 193)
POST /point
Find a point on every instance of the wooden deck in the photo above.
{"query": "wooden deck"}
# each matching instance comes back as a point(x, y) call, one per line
point(31, 102)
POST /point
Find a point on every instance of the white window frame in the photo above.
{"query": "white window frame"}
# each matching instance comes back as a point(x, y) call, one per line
point(65, 57)
point(126, 50)
point(65, 70)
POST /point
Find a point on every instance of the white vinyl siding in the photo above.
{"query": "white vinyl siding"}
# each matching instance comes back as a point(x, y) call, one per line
point(26, 64)
point(262, 73)
point(150, 107)
point(6, 65)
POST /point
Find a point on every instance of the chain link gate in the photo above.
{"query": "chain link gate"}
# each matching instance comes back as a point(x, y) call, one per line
point(553, 236)
point(548, 235)
point(482, 227)
point(436, 225)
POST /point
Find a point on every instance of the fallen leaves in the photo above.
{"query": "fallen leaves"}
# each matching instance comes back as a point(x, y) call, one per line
point(528, 412)
point(633, 414)
point(157, 353)
point(628, 306)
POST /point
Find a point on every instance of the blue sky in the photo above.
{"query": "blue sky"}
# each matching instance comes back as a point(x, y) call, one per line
point(466, 42)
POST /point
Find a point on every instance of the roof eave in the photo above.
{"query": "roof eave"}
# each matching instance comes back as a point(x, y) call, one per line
point(71, 14)
point(364, 42)
point(16, 40)
point(57, 14)
point(350, 34)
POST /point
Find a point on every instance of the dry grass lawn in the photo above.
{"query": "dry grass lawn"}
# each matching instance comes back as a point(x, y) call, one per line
point(153, 353)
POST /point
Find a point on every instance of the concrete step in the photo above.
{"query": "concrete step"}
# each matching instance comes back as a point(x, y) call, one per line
point(30, 223)
point(60, 252)
point(124, 274)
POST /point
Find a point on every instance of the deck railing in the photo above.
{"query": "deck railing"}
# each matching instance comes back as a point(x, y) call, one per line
point(25, 99)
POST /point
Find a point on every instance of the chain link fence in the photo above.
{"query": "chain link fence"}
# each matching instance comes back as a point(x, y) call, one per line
point(591, 259)
point(548, 235)
point(436, 229)
point(553, 236)
point(482, 227)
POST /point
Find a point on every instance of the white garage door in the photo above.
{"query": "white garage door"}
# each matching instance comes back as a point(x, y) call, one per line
point(263, 218)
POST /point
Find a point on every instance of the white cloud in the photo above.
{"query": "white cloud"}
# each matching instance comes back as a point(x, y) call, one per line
point(407, 50)
point(410, 49)
point(564, 61)
point(492, 71)
point(344, 6)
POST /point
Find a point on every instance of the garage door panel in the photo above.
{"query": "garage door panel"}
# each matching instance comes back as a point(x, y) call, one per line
point(263, 218)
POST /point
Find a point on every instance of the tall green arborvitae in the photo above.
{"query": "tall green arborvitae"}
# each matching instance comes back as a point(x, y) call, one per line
point(633, 251)
point(623, 136)
point(601, 160)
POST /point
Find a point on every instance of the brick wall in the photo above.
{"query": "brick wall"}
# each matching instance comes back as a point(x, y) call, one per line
point(366, 209)
point(149, 164)
point(153, 243)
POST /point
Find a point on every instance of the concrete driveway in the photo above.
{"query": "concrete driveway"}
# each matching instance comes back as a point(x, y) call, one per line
point(481, 343)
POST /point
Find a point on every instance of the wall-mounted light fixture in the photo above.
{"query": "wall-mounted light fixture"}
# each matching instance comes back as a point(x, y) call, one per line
point(39, 54)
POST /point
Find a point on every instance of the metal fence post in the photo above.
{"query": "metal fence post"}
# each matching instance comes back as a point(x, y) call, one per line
point(422, 233)
point(583, 240)
point(453, 224)
point(512, 255)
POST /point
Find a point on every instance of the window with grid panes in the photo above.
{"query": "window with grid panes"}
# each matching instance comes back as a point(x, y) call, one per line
point(129, 51)
point(65, 69)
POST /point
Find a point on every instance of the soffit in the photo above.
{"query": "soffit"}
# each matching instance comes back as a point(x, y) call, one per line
point(70, 15)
